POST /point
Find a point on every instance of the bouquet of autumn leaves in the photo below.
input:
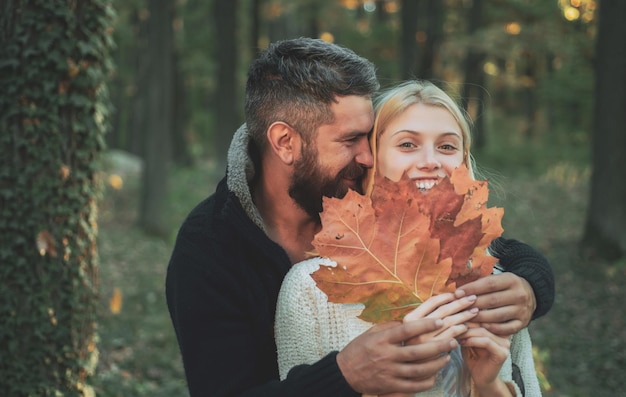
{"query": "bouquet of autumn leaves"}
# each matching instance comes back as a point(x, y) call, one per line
point(400, 246)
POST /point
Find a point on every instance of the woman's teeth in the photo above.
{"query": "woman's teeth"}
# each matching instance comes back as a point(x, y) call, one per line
point(425, 185)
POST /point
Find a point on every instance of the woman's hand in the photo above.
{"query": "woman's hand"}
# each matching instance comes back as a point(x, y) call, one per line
point(484, 354)
point(454, 313)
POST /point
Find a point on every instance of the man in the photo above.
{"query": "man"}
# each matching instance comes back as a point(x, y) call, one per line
point(308, 116)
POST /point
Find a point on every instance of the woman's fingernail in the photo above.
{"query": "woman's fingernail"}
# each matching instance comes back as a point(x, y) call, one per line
point(474, 310)
point(471, 298)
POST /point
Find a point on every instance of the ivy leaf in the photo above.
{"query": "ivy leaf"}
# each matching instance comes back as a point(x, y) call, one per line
point(46, 243)
point(401, 246)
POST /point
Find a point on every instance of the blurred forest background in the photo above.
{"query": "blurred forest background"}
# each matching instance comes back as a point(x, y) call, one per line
point(116, 127)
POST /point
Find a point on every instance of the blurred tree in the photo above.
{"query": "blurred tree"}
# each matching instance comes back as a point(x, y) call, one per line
point(289, 19)
point(196, 45)
point(311, 12)
point(255, 28)
point(408, 44)
point(605, 229)
point(54, 110)
point(381, 14)
point(157, 119)
point(283, 20)
point(126, 55)
point(429, 39)
point(181, 150)
point(138, 79)
point(473, 96)
point(422, 32)
point(528, 87)
point(128, 123)
point(227, 101)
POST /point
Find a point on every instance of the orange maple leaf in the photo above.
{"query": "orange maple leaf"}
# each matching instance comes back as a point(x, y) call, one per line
point(401, 246)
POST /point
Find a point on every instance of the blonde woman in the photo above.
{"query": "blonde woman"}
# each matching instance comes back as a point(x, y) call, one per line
point(419, 130)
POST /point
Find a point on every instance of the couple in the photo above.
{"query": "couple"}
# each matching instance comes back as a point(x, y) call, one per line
point(309, 114)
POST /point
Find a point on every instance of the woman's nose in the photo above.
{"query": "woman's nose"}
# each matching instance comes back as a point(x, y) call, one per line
point(427, 159)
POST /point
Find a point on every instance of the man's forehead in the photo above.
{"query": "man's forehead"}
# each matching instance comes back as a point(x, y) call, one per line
point(357, 109)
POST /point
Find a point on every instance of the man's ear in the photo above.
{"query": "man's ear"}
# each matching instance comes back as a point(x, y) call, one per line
point(284, 141)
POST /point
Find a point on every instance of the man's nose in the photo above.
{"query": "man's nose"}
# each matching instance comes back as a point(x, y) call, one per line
point(365, 158)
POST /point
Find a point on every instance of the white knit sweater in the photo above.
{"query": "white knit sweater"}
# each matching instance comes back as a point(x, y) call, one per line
point(308, 327)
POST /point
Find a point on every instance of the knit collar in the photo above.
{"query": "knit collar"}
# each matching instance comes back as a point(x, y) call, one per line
point(240, 171)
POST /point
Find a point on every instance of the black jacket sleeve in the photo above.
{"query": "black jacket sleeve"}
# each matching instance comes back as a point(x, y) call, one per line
point(526, 262)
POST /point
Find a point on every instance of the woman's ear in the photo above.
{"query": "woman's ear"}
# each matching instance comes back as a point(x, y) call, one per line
point(284, 141)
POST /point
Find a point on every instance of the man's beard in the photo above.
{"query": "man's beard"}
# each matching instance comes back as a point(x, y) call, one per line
point(309, 184)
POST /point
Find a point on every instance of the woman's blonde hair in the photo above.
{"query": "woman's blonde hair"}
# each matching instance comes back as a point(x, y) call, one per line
point(393, 101)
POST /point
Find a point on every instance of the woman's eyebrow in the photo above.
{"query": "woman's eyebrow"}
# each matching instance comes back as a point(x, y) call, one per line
point(453, 133)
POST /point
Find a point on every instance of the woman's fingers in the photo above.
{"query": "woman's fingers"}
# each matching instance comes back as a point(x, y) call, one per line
point(441, 306)
point(482, 338)
point(429, 306)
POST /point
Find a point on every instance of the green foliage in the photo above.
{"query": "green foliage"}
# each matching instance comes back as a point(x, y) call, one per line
point(54, 60)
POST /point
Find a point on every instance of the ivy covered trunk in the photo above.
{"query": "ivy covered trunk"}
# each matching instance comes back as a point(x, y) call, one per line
point(54, 57)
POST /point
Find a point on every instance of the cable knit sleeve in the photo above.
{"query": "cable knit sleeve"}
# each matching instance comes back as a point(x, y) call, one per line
point(309, 330)
point(306, 353)
point(298, 340)
point(526, 262)
point(522, 357)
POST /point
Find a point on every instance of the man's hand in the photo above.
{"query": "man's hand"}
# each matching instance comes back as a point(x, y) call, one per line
point(506, 302)
point(378, 362)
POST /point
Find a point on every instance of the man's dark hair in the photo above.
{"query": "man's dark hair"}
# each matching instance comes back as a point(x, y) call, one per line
point(296, 81)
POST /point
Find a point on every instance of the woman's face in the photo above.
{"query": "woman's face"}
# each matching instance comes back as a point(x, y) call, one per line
point(424, 141)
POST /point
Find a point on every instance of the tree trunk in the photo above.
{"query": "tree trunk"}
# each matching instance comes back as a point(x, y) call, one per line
point(434, 33)
point(227, 99)
point(285, 24)
point(139, 101)
point(54, 64)
point(158, 118)
point(408, 43)
point(255, 26)
point(528, 93)
point(311, 14)
point(381, 14)
point(473, 96)
point(605, 229)
point(181, 153)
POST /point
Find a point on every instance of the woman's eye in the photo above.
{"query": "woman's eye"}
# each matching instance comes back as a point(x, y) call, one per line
point(407, 145)
point(448, 147)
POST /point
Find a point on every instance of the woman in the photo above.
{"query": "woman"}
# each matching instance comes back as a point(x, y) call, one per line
point(419, 130)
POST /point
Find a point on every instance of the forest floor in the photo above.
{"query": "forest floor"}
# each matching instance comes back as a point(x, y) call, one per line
point(580, 345)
